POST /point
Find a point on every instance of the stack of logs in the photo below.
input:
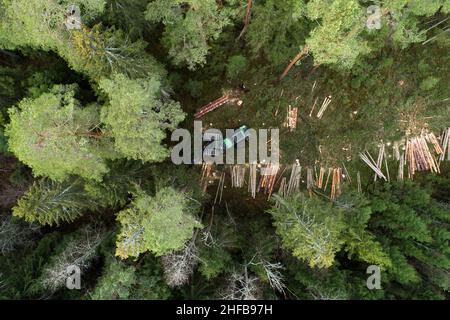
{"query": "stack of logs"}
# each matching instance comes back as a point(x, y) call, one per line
point(267, 181)
point(336, 183)
point(421, 153)
point(237, 176)
point(418, 154)
point(291, 119)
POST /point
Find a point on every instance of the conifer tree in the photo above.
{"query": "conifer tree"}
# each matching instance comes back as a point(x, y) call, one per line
point(90, 110)
point(415, 229)
point(117, 184)
point(276, 25)
point(334, 32)
point(56, 137)
point(138, 116)
point(128, 16)
point(309, 228)
point(327, 228)
point(96, 51)
point(116, 281)
point(405, 17)
point(52, 203)
point(100, 52)
point(160, 224)
point(189, 27)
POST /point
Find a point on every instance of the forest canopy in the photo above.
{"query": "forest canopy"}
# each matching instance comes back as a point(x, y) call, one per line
point(92, 91)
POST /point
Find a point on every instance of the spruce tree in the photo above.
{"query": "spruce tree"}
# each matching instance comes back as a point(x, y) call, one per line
point(52, 203)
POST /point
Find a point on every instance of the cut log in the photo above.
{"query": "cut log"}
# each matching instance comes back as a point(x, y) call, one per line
point(212, 106)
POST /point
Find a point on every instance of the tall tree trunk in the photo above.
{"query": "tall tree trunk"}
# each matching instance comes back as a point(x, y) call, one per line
point(246, 18)
point(299, 55)
point(247, 12)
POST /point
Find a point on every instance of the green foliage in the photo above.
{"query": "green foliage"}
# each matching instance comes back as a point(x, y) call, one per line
point(415, 228)
point(127, 15)
point(358, 241)
point(150, 283)
point(96, 52)
point(213, 261)
point(334, 30)
point(331, 30)
point(315, 230)
point(336, 40)
point(137, 117)
point(55, 137)
point(159, 224)
point(194, 88)
point(309, 228)
point(406, 18)
point(236, 65)
point(189, 27)
point(214, 249)
point(116, 281)
point(429, 83)
point(99, 146)
point(101, 52)
point(114, 189)
point(275, 25)
point(52, 203)
point(20, 272)
point(323, 284)
point(26, 20)
point(180, 178)
point(38, 84)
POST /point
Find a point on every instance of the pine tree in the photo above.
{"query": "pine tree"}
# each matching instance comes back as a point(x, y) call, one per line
point(334, 31)
point(405, 18)
point(275, 25)
point(159, 224)
point(55, 137)
point(138, 116)
point(358, 241)
point(336, 41)
point(114, 189)
point(21, 270)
